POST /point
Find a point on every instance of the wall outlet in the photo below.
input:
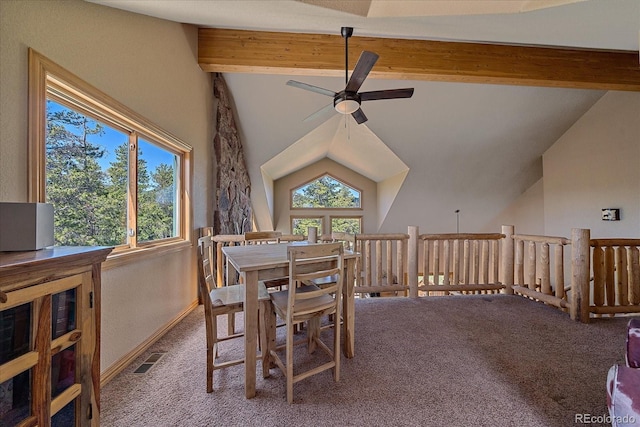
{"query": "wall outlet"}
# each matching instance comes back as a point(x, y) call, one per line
point(611, 214)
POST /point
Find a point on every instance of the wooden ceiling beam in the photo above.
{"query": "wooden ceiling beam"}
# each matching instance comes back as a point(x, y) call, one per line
point(221, 50)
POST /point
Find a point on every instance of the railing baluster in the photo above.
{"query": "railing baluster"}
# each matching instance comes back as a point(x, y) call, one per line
point(633, 265)
point(425, 263)
point(545, 272)
point(519, 263)
point(485, 262)
point(389, 255)
point(466, 261)
point(456, 262)
point(598, 276)
point(609, 283)
point(622, 285)
point(531, 265)
point(559, 269)
point(436, 262)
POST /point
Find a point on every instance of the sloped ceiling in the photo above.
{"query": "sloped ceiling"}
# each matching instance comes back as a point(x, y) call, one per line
point(473, 147)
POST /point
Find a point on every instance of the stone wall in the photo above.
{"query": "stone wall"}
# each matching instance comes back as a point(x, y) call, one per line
point(232, 213)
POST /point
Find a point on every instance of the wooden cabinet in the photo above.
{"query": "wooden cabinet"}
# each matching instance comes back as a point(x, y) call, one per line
point(50, 336)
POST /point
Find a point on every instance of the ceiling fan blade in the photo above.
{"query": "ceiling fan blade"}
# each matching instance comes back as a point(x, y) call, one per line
point(359, 116)
point(386, 94)
point(311, 88)
point(361, 71)
point(321, 112)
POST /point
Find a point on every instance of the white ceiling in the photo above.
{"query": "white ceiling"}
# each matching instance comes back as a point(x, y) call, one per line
point(607, 24)
point(493, 136)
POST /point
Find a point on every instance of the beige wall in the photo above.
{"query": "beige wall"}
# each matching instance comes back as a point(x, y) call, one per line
point(596, 165)
point(526, 213)
point(283, 186)
point(150, 66)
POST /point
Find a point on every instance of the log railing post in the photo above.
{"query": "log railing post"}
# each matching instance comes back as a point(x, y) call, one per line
point(507, 259)
point(312, 234)
point(412, 261)
point(580, 266)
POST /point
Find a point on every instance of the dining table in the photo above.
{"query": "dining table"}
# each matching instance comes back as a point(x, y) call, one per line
point(256, 263)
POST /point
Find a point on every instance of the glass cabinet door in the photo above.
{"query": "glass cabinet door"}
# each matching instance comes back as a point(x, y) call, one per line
point(15, 341)
point(63, 357)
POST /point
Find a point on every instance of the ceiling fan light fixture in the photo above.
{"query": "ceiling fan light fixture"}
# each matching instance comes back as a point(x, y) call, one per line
point(346, 102)
point(347, 106)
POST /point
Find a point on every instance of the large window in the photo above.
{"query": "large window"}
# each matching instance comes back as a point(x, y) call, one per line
point(324, 193)
point(113, 178)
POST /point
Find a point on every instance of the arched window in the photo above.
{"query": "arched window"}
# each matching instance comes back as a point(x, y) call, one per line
point(325, 192)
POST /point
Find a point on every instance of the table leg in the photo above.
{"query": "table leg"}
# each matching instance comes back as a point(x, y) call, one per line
point(313, 333)
point(250, 332)
point(349, 308)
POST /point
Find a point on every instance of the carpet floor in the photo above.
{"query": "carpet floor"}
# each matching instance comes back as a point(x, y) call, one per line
point(481, 360)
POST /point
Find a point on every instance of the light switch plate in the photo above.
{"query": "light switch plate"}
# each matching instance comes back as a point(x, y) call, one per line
point(611, 214)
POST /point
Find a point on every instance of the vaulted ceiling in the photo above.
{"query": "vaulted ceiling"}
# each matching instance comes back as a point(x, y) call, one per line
point(491, 132)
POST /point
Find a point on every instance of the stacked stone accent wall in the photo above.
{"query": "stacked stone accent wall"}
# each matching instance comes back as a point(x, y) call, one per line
point(232, 213)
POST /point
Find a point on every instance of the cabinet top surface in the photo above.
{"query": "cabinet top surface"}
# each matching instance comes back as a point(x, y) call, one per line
point(61, 254)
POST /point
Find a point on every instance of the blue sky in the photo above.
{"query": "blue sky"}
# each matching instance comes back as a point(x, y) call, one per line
point(112, 138)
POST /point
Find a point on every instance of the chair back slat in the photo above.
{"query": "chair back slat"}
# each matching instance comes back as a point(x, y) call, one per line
point(262, 237)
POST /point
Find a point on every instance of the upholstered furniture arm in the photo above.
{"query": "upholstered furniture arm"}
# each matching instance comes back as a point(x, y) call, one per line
point(633, 343)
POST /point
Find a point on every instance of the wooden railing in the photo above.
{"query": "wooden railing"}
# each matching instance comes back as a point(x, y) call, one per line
point(533, 265)
point(467, 263)
point(382, 265)
point(604, 275)
point(616, 276)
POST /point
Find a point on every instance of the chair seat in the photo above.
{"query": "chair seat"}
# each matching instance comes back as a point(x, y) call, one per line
point(234, 295)
point(320, 303)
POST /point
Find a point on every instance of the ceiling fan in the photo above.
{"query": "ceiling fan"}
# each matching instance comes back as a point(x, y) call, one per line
point(348, 100)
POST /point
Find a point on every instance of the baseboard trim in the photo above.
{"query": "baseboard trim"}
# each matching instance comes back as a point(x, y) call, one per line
point(121, 364)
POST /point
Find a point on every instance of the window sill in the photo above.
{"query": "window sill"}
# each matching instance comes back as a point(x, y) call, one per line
point(130, 256)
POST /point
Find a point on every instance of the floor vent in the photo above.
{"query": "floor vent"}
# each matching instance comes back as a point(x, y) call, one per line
point(147, 364)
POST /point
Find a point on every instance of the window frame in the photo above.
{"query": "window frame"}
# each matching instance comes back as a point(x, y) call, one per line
point(46, 77)
point(346, 184)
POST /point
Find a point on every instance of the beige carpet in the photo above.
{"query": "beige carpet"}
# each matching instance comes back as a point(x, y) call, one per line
point(485, 360)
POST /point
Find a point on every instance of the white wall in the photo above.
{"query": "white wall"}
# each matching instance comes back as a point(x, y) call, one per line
point(596, 165)
point(150, 66)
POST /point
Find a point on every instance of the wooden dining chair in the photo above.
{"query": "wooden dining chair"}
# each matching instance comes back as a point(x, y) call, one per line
point(301, 303)
point(262, 238)
point(349, 242)
point(227, 299)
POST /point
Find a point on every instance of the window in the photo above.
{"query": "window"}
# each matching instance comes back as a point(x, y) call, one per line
point(346, 224)
point(325, 192)
point(300, 224)
point(113, 178)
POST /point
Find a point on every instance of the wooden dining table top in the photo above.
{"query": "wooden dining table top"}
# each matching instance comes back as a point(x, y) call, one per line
point(271, 255)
